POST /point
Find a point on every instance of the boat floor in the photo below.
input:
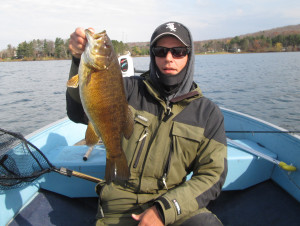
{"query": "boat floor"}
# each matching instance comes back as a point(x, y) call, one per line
point(263, 204)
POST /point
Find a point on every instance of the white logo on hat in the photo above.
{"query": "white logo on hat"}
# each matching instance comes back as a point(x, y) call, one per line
point(171, 26)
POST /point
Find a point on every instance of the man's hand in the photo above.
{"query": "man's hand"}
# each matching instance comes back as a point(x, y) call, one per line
point(148, 217)
point(78, 41)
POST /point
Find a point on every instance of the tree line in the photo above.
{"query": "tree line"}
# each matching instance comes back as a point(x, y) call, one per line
point(251, 44)
point(38, 49)
point(47, 49)
point(58, 49)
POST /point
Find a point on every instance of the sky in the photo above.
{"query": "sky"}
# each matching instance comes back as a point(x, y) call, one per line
point(135, 20)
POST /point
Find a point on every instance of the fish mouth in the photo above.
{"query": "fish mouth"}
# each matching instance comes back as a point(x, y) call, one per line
point(98, 41)
point(99, 50)
point(100, 34)
point(97, 35)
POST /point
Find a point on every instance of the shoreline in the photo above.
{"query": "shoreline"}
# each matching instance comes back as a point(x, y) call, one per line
point(31, 59)
point(205, 53)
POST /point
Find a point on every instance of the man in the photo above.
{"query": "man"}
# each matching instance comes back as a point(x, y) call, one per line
point(177, 131)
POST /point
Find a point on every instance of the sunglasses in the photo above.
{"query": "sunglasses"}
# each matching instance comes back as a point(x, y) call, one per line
point(160, 51)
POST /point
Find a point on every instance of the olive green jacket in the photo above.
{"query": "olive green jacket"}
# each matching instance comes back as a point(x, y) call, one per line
point(169, 142)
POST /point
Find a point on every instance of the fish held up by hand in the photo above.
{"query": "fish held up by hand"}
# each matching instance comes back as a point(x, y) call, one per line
point(102, 95)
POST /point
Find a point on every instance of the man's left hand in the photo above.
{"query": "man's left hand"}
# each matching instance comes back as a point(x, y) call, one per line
point(148, 217)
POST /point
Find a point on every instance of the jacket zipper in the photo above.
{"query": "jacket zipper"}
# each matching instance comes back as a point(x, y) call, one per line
point(168, 114)
point(167, 167)
point(143, 140)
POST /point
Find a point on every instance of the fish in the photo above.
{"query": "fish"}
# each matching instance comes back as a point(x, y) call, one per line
point(103, 98)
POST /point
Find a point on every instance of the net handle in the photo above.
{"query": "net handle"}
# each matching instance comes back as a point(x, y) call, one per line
point(69, 173)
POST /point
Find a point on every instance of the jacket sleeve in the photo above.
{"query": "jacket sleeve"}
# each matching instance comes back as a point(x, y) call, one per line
point(209, 173)
point(75, 110)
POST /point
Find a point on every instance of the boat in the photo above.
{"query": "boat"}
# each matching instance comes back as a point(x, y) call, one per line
point(126, 64)
point(256, 191)
point(262, 186)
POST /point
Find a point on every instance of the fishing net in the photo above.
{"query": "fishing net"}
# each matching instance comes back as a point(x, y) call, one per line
point(21, 162)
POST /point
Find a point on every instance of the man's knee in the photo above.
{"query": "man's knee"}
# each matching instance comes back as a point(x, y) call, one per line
point(202, 217)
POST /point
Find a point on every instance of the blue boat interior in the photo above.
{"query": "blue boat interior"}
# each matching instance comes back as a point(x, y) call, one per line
point(256, 192)
point(250, 199)
point(263, 204)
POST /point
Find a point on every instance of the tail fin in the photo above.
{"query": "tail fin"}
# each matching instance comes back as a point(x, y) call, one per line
point(117, 169)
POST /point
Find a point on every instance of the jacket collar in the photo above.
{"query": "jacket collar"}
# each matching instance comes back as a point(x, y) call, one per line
point(195, 93)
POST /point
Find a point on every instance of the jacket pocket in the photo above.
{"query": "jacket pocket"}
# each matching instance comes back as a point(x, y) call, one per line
point(190, 132)
point(141, 144)
point(137, 143)
point(186, 141)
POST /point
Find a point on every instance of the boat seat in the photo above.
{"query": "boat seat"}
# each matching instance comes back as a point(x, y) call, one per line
point(71, 157)
point(246, 169)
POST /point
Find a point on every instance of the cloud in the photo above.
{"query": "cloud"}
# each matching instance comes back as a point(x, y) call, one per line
point(135, 20)
point(239, 12)
point(292, 14)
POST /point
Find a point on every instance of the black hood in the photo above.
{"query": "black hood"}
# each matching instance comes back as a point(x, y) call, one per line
point(180, 84)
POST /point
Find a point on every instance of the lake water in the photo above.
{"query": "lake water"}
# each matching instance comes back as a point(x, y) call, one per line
point(266, 85)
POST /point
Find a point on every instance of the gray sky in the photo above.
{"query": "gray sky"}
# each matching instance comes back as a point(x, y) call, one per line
point(135, 20)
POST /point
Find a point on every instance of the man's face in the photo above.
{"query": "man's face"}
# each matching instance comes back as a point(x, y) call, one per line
point(169, 64)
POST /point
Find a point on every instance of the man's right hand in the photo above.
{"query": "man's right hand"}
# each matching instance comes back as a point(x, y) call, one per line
point(78, 41)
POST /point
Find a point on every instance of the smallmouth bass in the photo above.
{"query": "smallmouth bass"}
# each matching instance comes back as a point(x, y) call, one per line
point(102, 95)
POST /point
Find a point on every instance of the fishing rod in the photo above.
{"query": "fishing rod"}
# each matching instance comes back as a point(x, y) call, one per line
point(281, 164)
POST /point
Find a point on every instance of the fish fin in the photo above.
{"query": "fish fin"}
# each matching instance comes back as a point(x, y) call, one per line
point(91, 137)
point(128, 125)
point(73, 82)
point(117, 169)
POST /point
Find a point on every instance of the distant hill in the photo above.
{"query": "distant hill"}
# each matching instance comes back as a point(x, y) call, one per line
point(286, 30)
point(139, 44)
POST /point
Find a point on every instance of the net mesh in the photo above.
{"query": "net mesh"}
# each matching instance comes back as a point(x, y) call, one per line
point(20, 161)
